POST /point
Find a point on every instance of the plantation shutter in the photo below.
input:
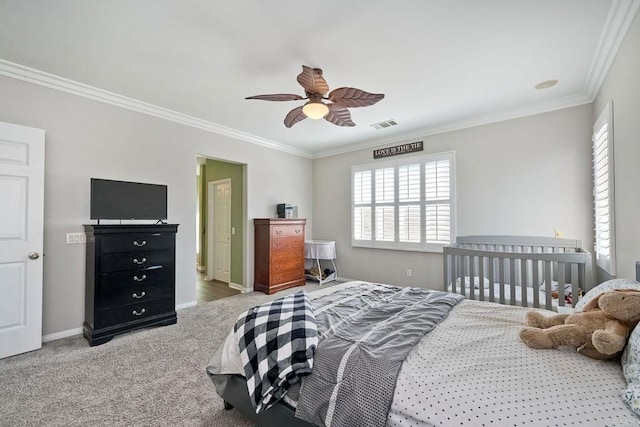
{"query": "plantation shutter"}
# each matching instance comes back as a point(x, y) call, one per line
point(437, 179)
point(603, 191)
point(409, 212)
point(362, 205)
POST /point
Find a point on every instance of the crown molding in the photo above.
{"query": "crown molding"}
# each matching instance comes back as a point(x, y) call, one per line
point(500, 116)
point(52, 81)
point(615, 29)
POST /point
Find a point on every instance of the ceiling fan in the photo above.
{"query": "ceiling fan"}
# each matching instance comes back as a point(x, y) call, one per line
point(316, 89)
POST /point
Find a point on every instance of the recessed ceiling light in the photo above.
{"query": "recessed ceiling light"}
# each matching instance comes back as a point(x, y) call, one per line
point(546, 84)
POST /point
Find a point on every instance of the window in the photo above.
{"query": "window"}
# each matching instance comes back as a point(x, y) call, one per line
point(405, 204)
point(603, 191)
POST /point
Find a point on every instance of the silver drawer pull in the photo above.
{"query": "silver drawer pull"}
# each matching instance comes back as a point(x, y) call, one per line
point(139, 279)
point(135, 313)
point(135, 261)
point(278, 231)
point(298, 230)
point(135, 243)
point(139, 296)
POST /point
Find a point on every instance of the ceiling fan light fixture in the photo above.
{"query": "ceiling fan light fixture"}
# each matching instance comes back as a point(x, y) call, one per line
point(315, 110)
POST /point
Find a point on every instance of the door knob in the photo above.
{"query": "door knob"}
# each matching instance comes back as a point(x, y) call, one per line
point(34, 255)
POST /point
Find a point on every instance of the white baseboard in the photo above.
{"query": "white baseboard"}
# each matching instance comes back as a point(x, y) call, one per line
point(186, 305)
point(63, 334)
point(238, 287)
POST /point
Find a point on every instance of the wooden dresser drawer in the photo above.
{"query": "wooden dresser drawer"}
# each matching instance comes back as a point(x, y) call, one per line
point(279, 243)
point(287, 276)
point(293, 264)
point(136, 260)
point(126, 279)
point(134, 294)
point(286, 254)
point(133, 312)
point(137, 242)
point(287, 231)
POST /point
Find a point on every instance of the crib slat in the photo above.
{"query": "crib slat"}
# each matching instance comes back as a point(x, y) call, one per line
point(512, 280)
point(536, 284)
point(547, 285)
point(490, 264)
point(472, 278)
point(523, 282)
point(481, 276)
point(501, 277)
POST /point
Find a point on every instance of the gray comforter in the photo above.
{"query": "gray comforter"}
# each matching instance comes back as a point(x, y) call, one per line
point(366, 334)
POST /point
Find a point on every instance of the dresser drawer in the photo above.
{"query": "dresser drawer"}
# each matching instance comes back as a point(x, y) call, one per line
point(288, 265)
point(287, 231)
point(137, 242)
point(286, 254)
point(135, 260)
point(287, 276)
point(279, 243)
point(133, 312)
point(131, 278)
point(135, 294)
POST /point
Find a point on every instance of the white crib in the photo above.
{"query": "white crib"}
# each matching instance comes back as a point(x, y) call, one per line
point(518, 270)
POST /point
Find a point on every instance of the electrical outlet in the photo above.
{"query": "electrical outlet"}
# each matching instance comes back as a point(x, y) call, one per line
point(409, 272)
point(559, 233)
point(76, 238)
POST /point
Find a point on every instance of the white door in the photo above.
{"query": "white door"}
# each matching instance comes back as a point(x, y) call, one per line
point(220, 214)
point(21, 229)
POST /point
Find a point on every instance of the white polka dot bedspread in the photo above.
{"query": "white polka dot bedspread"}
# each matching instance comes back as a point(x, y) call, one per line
point(473, 370)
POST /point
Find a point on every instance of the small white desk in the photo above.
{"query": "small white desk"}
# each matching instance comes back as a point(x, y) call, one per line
point(317, 250)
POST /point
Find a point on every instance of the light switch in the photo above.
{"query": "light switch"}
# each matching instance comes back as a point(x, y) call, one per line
point(233, 230)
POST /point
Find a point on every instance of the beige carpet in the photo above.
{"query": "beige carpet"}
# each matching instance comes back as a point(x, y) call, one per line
point(151, 377)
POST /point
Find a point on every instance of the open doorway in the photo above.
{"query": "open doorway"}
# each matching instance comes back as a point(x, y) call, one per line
point(220, 228)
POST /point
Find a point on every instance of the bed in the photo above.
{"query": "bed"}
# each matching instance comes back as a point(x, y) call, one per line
point(518, 270)
point(470, 369)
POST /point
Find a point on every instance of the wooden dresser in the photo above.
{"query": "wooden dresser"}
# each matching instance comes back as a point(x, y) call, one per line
point(130, 279)
point(279, 254)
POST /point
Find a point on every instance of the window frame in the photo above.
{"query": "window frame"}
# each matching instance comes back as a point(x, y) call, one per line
point(605, 258)
point(423, 245)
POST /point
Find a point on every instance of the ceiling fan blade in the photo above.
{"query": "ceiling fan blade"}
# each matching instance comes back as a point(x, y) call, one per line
point(277, 97)
point(339, 115)
point(352, 97)
point(294, 117)
point(312, 81)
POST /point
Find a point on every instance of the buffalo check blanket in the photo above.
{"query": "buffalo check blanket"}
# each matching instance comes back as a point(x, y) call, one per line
point(277, 341)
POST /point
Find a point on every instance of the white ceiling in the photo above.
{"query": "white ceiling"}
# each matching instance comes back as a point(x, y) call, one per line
point(441, 64)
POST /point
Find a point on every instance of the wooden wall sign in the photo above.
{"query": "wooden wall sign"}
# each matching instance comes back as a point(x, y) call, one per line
point(398, 149)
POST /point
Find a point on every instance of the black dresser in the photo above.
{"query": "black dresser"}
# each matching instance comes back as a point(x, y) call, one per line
point(130, 279)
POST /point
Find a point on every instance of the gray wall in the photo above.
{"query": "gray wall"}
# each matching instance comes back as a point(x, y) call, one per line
point(528, 176)
point(85, 139)
point(622, 86)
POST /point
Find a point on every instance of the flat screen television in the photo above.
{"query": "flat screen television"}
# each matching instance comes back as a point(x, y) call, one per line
point(127, 200)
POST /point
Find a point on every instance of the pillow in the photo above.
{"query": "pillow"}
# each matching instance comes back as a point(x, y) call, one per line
point(631, 397)
point(607, 286)
point(631, 359)
point(631, 369)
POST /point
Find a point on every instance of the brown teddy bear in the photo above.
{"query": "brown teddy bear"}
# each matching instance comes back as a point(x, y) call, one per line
point(599, 331)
